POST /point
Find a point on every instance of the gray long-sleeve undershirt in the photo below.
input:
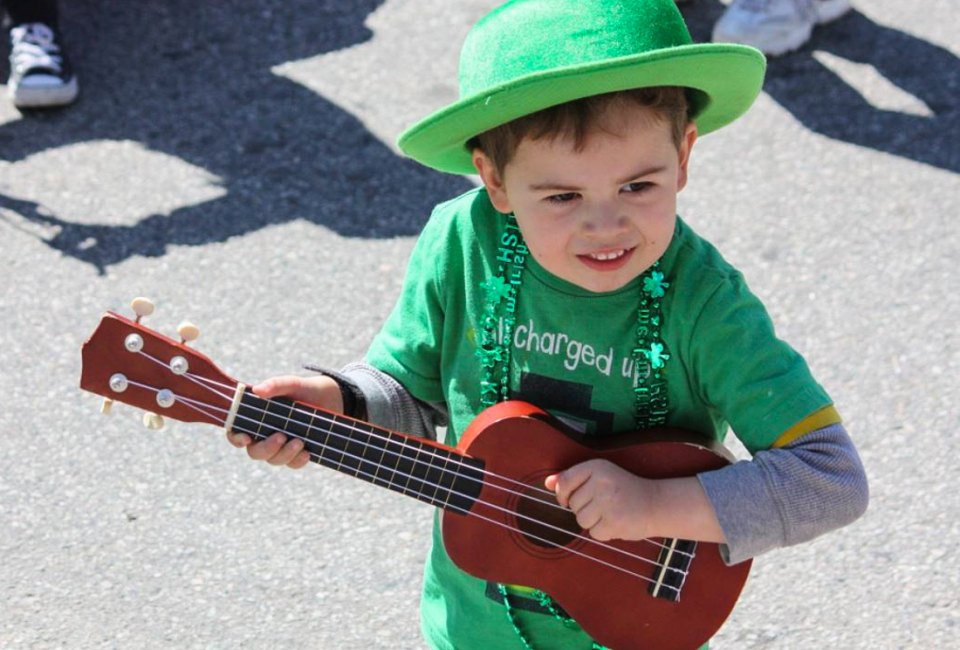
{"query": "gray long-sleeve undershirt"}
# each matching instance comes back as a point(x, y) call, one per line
point(780, 497)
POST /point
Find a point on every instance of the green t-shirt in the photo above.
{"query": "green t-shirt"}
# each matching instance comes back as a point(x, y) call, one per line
point(572, 355)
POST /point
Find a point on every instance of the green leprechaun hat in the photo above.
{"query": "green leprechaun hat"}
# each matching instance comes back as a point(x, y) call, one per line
point(528, 55)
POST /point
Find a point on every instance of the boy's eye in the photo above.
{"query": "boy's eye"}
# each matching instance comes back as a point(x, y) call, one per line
point(566, 197)
point(639, 186)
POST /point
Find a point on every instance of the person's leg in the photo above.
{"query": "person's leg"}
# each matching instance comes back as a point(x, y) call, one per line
point(20, 12)
point(775, 26)
point(40, 74)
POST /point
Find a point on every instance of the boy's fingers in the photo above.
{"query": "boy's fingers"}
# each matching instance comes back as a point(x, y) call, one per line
point(266, 449)
point(238, 440)
point(287, 386)
point(287, 453)
point(589, 517)
point(566, 483)
point(300, 461)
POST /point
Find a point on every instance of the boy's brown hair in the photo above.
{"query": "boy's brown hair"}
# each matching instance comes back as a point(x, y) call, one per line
point(577, 118)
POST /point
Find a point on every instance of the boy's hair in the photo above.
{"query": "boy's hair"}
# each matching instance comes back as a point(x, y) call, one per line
point(577, 118)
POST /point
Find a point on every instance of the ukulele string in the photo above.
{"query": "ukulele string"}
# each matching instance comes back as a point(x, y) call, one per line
point(203, 382)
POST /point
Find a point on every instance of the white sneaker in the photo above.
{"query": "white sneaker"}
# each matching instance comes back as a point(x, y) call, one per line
point(40, 75)
point(775, 27)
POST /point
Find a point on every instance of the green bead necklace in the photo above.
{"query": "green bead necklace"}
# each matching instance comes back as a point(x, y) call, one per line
point(494, 349)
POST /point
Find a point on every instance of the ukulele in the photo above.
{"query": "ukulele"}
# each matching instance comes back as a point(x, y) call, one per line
point(499, 523)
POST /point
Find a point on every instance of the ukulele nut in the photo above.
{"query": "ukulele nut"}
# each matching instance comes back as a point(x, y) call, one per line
point(166, 398)
point(118, 383)
point(179, 365)
point(133, 343)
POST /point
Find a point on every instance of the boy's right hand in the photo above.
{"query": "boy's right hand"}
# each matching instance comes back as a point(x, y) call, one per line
point(321, 391)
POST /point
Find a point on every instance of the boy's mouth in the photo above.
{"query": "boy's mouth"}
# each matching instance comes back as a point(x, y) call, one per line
point(609, 260)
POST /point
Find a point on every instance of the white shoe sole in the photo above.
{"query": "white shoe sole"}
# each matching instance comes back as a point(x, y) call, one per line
point(27, 96)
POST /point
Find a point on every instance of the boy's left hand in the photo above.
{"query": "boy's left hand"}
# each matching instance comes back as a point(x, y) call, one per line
point(609, 502)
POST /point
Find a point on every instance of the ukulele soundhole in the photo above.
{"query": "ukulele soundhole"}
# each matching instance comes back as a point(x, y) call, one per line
point(543, 522)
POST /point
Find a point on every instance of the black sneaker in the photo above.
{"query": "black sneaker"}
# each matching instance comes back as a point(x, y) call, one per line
point(40, 75)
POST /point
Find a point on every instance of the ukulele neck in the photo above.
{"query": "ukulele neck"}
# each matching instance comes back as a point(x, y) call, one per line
point(429, 472)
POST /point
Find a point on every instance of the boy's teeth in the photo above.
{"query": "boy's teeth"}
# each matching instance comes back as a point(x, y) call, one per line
point(607, 256)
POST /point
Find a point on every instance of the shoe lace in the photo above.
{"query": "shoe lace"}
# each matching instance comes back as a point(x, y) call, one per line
point(33, 46)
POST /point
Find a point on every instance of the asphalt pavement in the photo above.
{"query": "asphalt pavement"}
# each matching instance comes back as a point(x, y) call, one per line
point(234, 161)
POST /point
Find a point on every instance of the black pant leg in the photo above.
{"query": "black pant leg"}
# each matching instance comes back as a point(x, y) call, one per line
point(31, 11)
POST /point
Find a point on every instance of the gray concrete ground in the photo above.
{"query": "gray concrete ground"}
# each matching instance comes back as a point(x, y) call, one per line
point(234, 161)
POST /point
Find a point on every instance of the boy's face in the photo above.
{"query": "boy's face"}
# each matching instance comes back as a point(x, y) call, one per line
point(601, 216)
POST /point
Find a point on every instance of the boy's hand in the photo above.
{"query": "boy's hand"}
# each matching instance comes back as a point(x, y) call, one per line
point(320, 391)
point(609, 502)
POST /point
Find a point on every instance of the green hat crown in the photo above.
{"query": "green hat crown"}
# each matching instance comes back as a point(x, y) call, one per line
point(528, 55)
point(526, 37)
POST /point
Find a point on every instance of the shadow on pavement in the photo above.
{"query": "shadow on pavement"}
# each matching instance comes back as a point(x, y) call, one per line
point(192, 80)
point(826, 104)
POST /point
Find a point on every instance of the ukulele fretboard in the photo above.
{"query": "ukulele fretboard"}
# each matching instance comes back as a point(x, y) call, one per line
point(404, 464)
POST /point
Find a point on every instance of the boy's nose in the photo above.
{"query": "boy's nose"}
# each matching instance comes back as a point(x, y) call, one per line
point(605, 220)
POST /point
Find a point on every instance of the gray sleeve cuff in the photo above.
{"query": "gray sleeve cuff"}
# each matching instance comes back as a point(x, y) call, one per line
point(391, 406)
point(788, 495)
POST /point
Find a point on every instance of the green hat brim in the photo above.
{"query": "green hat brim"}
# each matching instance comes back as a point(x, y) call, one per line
point(729, 77)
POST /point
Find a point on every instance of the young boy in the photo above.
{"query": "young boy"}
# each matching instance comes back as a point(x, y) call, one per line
point(568, 281)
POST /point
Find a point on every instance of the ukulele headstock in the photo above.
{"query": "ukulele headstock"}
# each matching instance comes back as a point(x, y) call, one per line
point(125, 361)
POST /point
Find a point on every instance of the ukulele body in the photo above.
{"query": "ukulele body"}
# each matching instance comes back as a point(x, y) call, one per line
point(605, 586)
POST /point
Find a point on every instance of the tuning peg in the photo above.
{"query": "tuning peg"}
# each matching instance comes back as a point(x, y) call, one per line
point(106, 406)
point(152, 421)
point(188, 332)
point(142, 307)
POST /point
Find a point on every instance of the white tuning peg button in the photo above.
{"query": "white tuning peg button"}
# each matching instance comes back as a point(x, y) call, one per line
point(188, 332)
point(152, 421)
point(142, 307)
point(106, 406)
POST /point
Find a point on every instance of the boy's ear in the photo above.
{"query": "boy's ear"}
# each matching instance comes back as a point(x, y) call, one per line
point(686, 146)
point(492, 181)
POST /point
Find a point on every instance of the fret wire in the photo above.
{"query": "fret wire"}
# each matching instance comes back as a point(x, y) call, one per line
point(415, 463)
point(378, 465)
point(322, 445)
point(332, 421)
point(446, 501)
point(390, 439)
point(260, 424)
point(376, 472)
